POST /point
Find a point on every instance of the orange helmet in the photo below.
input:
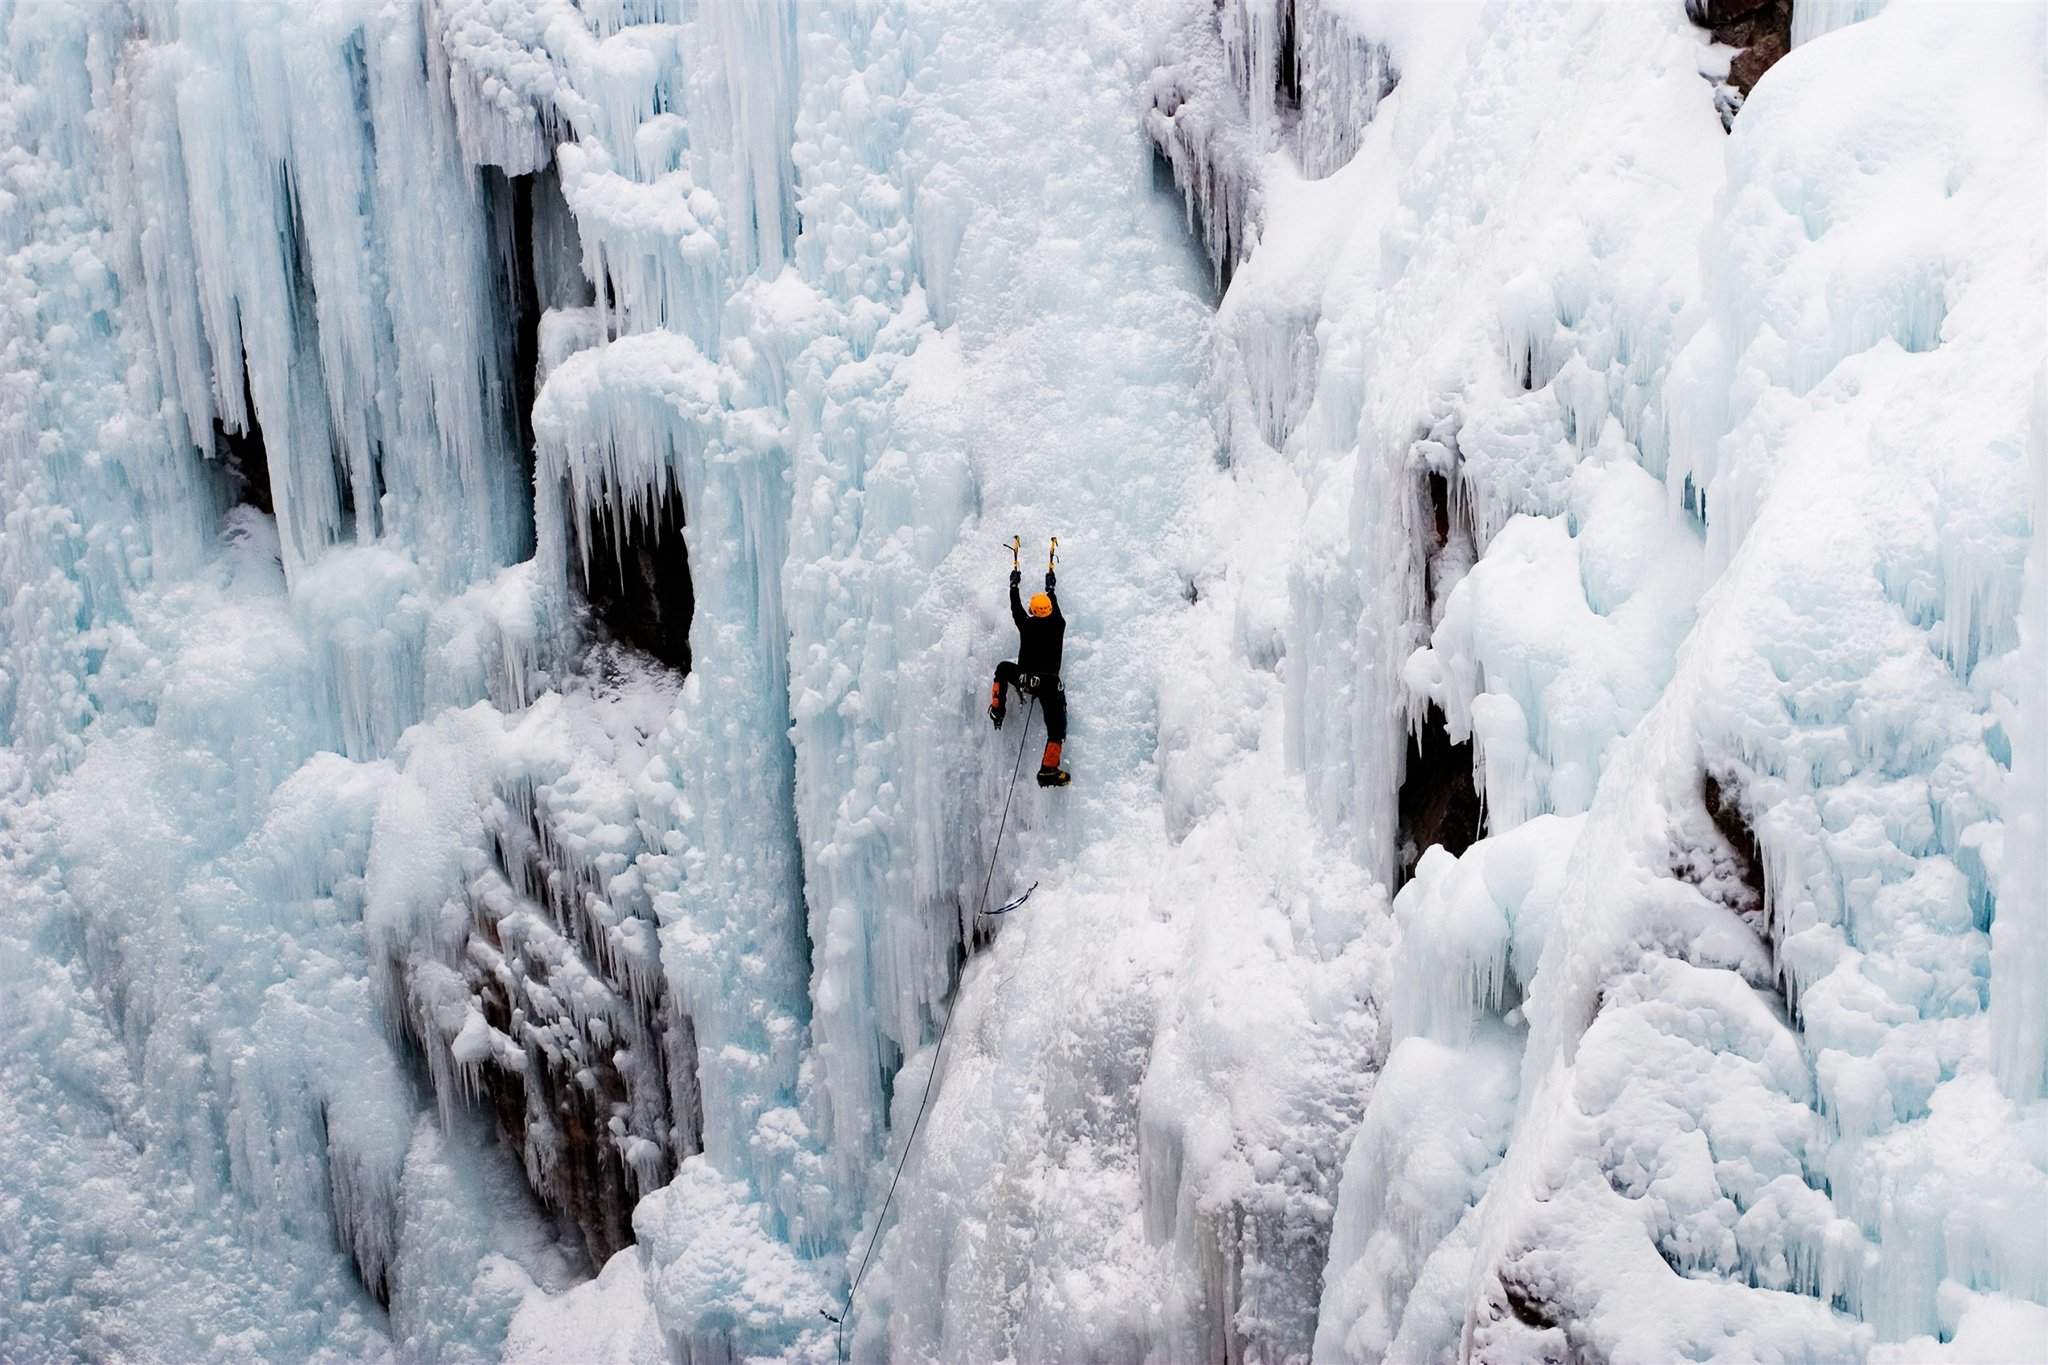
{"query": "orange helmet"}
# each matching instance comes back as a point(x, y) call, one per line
point(1041, 605)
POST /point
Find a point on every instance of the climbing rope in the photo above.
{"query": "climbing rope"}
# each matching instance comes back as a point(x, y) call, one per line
point(931, 1077)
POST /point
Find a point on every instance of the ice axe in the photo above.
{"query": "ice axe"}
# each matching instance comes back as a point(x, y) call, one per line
point(1016, 547)
point(1052, 554)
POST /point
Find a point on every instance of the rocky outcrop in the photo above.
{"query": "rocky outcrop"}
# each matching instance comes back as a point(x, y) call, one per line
point(1760, 31)
point(557, 1016)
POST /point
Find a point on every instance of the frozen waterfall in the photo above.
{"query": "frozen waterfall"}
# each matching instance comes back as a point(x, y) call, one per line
point(503, 519)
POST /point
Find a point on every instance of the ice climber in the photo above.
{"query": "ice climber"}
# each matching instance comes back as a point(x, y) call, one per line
point(1035, 672)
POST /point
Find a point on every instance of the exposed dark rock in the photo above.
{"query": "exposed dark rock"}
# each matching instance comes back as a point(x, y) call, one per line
point(1287, 63)
point(1722, 857)
point(511, 198)
point(582, 992)
point(581, 1056)
point(1732, 873)
point(1438, 803)
point(1747, 854)
point(538, 259)
point(1521, 1320)
point(1528, 1308)
point(537, 264)
point(639, 579)
point(1760, 30)
point(1761, 54)
point(244, 456)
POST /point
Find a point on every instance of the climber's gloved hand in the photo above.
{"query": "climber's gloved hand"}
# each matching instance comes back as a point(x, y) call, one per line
point(1048, 578)
point(1016, 577)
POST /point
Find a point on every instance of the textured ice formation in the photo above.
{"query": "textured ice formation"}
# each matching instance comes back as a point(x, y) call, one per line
point(1765, 1006)
point(504, 505)
point(1239, 82)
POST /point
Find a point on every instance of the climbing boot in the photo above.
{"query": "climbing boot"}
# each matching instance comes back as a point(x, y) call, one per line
point(995, 704)
point(1050, 773)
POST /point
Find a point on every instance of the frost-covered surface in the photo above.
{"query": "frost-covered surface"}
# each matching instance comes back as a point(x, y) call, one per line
point(386, 941)
point(1750, 526)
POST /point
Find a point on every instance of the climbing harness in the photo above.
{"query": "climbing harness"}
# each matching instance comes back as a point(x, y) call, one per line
point(931, 1078)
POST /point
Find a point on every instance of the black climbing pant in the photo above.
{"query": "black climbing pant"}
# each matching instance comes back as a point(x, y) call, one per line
point(1052, 698)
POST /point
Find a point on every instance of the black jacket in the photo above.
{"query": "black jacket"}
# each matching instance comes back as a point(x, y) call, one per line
point(1039, 639)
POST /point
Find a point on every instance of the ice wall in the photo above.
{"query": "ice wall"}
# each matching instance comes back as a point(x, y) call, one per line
point(1747, 864)
point(1104, 1139)
point(79, 472)
point(2019, 937)
point(852, 419)
point(1812, 19)
point(302, 216)
point(1911, 336)
point(238, 282)
point(407, 944)
point(1234, 84)
point(1512, 390)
